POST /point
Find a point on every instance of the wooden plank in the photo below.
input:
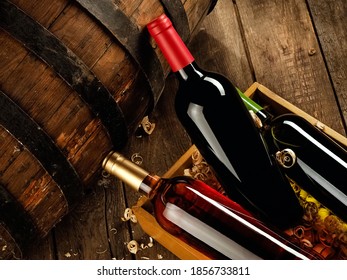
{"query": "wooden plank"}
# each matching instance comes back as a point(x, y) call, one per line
point(41, 250)
point(330, 22)
point(93, 230)
point(119, 231)
point(82, 234)
point(286, 56)
point(45, 11)
point(218, 45)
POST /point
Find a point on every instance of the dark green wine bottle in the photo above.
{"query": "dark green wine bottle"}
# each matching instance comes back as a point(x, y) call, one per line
point(321, 158)
point(213, 114)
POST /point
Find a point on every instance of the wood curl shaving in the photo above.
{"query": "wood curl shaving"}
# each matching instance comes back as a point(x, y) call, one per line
point(129, 215)
point(149, 245)
point(148, 127)
point(114, 230)
point(145, 128)
point(137, 158)
point(200, 170)
point(133, 246)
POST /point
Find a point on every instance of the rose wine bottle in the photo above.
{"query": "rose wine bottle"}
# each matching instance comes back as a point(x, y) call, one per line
point(213, 114)
point(204, 218)
point(317, 156)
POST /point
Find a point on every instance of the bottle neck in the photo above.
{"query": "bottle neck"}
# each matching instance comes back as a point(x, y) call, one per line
point(170, 43)
point(251, 105)
point(130, 173)
point(189, 71)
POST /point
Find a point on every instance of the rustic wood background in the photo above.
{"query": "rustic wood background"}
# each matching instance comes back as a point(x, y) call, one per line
point(296, 48)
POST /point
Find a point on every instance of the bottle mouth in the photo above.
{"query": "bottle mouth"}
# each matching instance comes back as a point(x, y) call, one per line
point(125, 170)
point(159, 24)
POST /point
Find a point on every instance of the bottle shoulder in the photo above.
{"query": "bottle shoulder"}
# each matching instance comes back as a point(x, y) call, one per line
point(206, 86)
point(296, 128)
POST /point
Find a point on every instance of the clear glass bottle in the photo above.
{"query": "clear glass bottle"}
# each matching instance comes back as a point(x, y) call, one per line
point(204, 218)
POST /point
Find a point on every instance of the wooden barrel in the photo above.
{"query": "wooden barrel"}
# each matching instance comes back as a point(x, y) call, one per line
point(76, 78)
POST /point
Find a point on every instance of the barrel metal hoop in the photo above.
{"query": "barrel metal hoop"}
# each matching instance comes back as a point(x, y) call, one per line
point(177, 14)
point(32, 136)
point(213, 4)
point(15, 219)
point(68, 66)
point(133, 40)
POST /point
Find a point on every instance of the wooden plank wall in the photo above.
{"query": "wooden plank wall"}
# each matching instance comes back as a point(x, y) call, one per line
point(296, 48)
point(282, 51)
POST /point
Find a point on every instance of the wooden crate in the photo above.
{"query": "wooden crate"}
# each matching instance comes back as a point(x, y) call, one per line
point(181, 249)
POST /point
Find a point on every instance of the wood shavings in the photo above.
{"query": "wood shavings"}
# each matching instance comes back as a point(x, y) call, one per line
point(145, 128)
point(312, 51)
point(126, 215)
point(160, 257)
point(137, 158)
point(200, 170)
point(150, 244)
point(16, 149)
point(101, 252)
point(148, 127)
point(197, 158)
point(320, 229)
point(105, 174)
point(133, 246)
point(129, 215)
point(133, 218)
point(68, 254)
point(105, 181)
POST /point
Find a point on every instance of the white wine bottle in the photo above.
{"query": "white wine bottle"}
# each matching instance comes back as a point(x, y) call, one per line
point(204, 218)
